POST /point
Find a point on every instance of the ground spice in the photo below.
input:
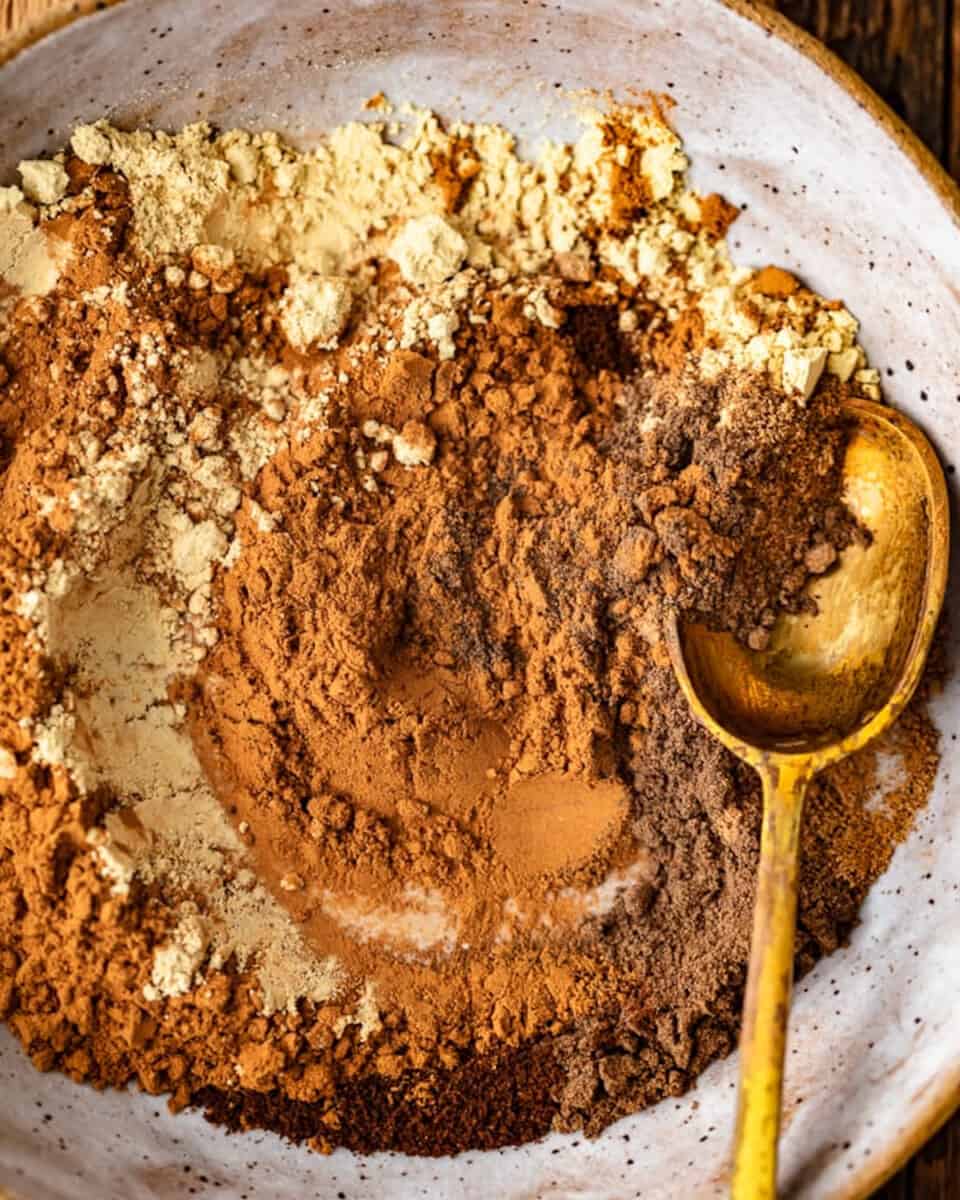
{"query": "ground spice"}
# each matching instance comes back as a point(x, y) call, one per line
point(688, 1014)
point(454, 169)
point(717, 215)
point(442, 860)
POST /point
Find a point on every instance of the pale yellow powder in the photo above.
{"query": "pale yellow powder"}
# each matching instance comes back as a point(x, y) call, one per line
point(176, 962)
point(125, 734)
point(802, 369)
point(315, 309)
point(8, 764)
point(30, 259)
point(43, 181)
point(327, 211)
point(428, 250)
point(174, 182)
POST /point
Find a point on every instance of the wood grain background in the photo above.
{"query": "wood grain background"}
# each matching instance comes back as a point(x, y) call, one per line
point(909, 52)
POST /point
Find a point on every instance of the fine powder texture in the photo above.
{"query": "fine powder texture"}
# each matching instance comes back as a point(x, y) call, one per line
point(346, 787)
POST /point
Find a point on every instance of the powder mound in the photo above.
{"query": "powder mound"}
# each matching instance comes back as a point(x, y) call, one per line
point(344, 495)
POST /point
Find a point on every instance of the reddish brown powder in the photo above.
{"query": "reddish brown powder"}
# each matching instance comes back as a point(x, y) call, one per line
point(717, 215)
point(454, 170)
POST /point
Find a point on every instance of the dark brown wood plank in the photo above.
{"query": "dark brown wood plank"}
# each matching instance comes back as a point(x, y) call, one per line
point(900, 1188)
point(900, 47)
point(953, 91)
point(936, 1169)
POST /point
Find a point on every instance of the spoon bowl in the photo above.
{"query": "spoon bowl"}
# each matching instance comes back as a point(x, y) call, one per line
point(827, 683)
point(847, 669)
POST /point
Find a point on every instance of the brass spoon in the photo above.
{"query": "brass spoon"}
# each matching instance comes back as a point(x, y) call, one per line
point(824, 687)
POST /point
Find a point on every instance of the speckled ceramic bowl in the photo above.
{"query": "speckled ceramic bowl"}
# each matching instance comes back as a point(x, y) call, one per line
point(837, 191)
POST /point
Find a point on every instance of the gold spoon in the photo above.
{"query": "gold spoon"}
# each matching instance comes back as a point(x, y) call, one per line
point(825, 686)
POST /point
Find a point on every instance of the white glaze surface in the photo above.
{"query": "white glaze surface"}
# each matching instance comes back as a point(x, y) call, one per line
point(830, 196)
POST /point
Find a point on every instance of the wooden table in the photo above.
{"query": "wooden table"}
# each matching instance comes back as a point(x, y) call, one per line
point(909, 52)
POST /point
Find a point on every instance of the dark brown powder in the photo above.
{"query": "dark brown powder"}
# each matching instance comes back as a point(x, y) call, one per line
point(492, 1101)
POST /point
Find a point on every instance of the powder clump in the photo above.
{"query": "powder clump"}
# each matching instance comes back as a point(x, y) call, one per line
point(314, 310)
point(44, 182)
point(428, 250)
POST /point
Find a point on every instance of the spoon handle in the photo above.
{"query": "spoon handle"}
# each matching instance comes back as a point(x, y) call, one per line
point(766, 1008)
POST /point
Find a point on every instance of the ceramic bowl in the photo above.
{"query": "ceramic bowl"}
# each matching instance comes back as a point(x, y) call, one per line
point(836, 191)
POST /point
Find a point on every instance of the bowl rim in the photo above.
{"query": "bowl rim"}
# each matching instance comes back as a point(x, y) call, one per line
point(943, 1101)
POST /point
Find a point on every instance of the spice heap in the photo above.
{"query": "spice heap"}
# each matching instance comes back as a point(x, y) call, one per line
point(346, 787)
